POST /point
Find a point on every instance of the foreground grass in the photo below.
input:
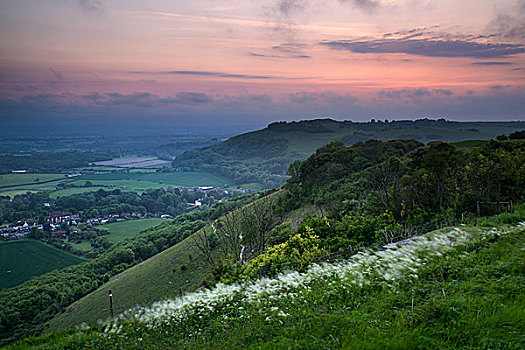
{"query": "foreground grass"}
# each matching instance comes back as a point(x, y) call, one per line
point(472, 297)
point(20, 260)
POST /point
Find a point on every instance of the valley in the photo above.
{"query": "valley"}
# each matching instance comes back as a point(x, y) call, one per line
point(188, 230)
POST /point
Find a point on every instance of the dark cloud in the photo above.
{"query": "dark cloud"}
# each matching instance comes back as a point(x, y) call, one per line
point(428, 47)
point(277, 56)
point(92, 5)
point(499, 87)
point(208, 74)
point(284, 12)
point(288, 8)
point(285, 50)
point(248, 101)
point(186, 108)
point(289, 47)
point(413, 93)
point(407, 34)
point(23, 88)
point(492, 63)
point(110, 100)
point(219, 74)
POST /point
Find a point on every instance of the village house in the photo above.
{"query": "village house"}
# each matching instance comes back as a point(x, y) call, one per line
point(59, 217)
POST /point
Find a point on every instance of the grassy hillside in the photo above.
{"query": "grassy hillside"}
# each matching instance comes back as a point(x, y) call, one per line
point(264, 156)
point(21, 260)
point(119, 231)
point(453, 288)
point(154, 279)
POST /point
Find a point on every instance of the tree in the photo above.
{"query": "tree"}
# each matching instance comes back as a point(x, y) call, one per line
point(239, 235)
point(517, 135)
point(205, 242)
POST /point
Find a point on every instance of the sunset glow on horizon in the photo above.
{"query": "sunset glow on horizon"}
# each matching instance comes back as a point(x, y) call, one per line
point(258, 61)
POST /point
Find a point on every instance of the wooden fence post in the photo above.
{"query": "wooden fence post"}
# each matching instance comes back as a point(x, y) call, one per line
point(111, 302)
point(478, 209)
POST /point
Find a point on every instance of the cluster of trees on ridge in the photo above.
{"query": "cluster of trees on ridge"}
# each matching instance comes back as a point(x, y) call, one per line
point(517, 135)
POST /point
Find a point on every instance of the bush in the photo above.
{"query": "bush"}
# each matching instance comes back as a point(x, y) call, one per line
point(297, 253)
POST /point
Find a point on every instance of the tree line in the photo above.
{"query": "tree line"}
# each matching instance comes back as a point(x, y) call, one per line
point(172, 201)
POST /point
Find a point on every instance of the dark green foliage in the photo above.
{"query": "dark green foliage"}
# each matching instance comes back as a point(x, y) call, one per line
point(517, 135)
point(413, 182)
point(331, 177)
point(375, 193)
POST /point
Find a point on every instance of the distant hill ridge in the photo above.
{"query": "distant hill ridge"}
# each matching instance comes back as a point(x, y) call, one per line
point(261, 158)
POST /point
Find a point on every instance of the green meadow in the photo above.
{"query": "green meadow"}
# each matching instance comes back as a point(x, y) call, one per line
point(119, 231)
point(20, 260)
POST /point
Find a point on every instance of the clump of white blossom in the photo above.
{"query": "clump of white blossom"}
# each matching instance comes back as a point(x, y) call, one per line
point(397, 262)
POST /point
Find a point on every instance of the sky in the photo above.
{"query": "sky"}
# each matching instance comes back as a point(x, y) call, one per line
point(250, 62)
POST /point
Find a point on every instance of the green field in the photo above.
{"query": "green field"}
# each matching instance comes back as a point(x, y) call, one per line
point(135, 180)
point(23, 259)
point(84, 245)
point(119, 231)
point(21, 179)
point(13, 184)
